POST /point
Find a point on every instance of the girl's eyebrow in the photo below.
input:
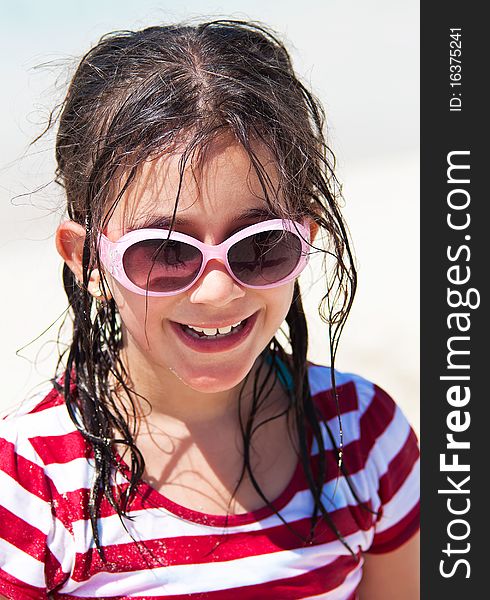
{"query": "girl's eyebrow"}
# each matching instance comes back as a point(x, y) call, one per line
point(162, 221)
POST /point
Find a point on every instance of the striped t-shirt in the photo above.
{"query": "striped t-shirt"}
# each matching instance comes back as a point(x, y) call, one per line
point(169, 551)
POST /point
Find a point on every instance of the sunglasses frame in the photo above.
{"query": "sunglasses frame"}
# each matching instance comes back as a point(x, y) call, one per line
point(111, 253)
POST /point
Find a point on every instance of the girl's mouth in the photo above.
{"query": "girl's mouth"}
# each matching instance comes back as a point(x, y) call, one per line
point(215, 341)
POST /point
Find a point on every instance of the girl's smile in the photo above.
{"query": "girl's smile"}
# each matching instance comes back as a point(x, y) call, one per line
point(209, 341)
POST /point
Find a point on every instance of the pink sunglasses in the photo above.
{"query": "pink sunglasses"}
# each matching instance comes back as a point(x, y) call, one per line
point(160, 262)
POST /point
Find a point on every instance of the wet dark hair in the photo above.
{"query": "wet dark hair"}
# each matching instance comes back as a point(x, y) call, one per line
point(135, 96)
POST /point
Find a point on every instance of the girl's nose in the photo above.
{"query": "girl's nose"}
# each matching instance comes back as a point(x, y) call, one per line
point(216, 286)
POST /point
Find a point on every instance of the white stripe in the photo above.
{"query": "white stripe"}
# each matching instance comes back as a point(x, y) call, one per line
point(320, 381)
point(21, 566)
point(390, 442)
point(350, 426)
point(62, 545)
point(22, 447)
point(66, 477)
point(25, 505)
point(205, 577)
point(51, 421)
point(153, 523)
point(75, 475)
point(365, 393)
point(402, 502)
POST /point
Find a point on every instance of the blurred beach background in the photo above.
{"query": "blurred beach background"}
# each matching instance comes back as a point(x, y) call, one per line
point(361, 59)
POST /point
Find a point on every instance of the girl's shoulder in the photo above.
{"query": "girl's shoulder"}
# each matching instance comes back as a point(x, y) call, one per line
point(47, 396)
point(380, 451)
point(377, 436)
point(40, 426)
point(37, 443)
point(368, 417)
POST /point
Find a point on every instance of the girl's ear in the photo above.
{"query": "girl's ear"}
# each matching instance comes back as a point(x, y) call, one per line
point(70, 237)
point(313, 229)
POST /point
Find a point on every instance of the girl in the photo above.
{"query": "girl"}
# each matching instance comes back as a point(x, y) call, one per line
point(182, 452)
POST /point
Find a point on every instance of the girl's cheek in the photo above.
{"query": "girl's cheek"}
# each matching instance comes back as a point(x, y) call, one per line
point(128, 302)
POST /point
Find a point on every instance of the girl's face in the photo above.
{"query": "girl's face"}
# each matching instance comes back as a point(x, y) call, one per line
point(212, 198)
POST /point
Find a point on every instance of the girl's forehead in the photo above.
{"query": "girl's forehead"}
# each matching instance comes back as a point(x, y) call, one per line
point(222, 180)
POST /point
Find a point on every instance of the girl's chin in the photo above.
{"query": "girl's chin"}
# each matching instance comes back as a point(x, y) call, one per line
point(211, 378)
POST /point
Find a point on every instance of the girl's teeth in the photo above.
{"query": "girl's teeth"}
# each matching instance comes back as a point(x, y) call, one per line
point(224, 329)
point(211, 332)
point(214, 330)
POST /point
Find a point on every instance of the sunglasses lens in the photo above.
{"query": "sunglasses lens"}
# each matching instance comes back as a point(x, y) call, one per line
point(162, 265)
point(266, 257)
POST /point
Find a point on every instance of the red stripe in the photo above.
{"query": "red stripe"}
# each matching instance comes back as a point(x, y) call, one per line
point(55, 576)
point(61, 449)
point(22, 535)
point(375, 420)
point(395, 536)
point(54, 398)
point(26, 473)
point(31, 541)
point(355, 457)
point(399, 469)
point(73, 505)
point(14, 589)
point(347, 396)
point(182, 550)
